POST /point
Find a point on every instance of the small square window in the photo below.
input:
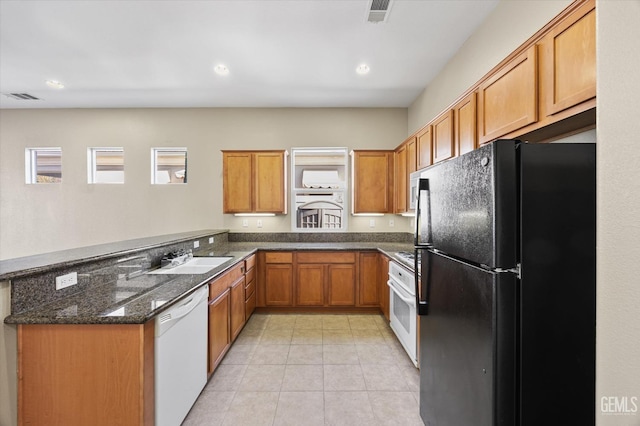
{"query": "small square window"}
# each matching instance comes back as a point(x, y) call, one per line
point(43, 165)
point(105, 165)
point(168, 165)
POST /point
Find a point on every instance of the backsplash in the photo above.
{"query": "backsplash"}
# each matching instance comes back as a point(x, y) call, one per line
point(318, 237)
point(32, 291)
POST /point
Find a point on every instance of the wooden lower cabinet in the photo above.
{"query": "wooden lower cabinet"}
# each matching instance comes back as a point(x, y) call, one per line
point(86, 374)
point(310, 289)
point(237, 300)
point(250, 286)
point(368, 292)
point(341, 285)
point(279, 285)
point(219, 328)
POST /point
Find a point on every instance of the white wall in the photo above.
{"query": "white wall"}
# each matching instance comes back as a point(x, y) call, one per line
point(618, 252)
point(509, 25)
point(48, 217)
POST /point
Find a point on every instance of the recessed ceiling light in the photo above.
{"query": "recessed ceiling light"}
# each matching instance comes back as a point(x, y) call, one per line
point(362, 69)
point(221, 69)
point(54, 84)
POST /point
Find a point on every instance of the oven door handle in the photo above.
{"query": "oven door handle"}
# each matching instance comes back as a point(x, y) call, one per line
point(409, 300)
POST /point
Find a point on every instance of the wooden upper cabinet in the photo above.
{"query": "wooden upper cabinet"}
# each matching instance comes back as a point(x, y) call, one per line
point(237, 169)
point(372, 181)
point(507, 101)
point(443, 147)
point(254, 181)
point(423, 147)
point(412, 159)
point(465, 124)
point(401, 179)
point(568, 61)
point(270, 183)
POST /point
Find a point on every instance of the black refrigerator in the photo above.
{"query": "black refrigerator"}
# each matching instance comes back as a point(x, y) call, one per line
point(505, 240)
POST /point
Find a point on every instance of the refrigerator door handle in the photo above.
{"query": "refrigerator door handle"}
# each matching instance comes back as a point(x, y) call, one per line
point(423, 214)
point(422, 281)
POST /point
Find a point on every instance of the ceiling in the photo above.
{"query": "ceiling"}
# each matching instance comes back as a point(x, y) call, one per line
point(280, 53)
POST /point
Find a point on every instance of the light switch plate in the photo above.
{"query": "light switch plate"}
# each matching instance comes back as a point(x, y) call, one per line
point(210, 240)
point(245, 223)
point(259, 223)
point(372, 223)
point(196, 244)
point(391, 223)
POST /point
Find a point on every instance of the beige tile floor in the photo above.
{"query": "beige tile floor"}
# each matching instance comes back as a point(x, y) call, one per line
point(312, 370)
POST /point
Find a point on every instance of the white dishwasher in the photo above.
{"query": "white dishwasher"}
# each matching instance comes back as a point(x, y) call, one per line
point(180, 357)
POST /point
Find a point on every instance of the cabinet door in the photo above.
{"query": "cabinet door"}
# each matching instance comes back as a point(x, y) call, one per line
point(568, 61)
point(219, 336)
point(368, 294)
point(507, 101)
point(269, 182)
point(237, 307)
point(236, 182)
point(341, 285)
point(279, 285)
point(310, 285)
point(465, 124)
point(401, 179)
point(423, 146)
point(383, 277)
point(443, 147)
point(373, 182)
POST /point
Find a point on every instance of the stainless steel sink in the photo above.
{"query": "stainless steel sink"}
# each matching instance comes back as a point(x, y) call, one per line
point(197, 265)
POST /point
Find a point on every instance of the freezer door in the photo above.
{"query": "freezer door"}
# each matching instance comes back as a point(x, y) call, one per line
point(467, 345)
point(467, 206)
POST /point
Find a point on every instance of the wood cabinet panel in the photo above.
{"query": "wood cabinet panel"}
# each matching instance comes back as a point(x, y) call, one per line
point(219, 329)
point(401, 179)
point(465, 129)
point(342, 285)
point(250, 305)
point(326, 257)
point(568, 61)
point(236, 182)
point(372, 182)
point(278, 257)
point(250, 262)
point(237, 301)
point(368, 291)
point(443, 143)
point(310, 285)
point(507, 101)
point(86, 374)
point(412, 159)
point(279, 285)
point(269, 182)
point(423, 147)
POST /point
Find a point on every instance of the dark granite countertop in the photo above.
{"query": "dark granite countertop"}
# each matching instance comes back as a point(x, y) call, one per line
point(139, 299)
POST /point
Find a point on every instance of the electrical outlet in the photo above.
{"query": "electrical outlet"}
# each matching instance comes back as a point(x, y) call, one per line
point(196, 244)
point(391, 223)
point(259, 223)
point(210, 240)
point(67, 280)
point(245, 223)
point(372, 223)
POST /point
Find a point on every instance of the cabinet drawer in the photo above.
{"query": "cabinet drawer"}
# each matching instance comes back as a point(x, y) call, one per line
point(249, 289)
point(251, 274)
point(250, 305)
point(218, 285)
point(326, 257)
point(250, 262)
point(278, 257)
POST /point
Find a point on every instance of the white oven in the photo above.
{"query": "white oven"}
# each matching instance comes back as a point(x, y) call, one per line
point(402, 308)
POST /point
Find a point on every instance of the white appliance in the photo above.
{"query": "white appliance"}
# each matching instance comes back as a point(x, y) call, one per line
point(402, 308)
point(180, 358)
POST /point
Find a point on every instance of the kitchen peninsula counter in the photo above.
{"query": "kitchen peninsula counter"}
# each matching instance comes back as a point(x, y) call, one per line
point(115, 296)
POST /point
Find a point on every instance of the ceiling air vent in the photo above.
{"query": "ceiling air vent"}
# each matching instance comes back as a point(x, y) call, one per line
point(378, 10)
point(21, 96)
